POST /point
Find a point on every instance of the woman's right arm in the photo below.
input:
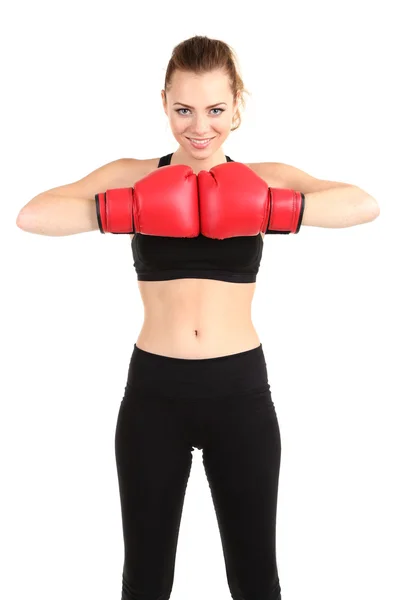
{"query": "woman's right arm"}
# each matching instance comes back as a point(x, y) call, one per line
point(71, 208)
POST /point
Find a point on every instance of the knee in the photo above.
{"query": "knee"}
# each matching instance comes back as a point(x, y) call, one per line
point(129, 592)
point(273, 593)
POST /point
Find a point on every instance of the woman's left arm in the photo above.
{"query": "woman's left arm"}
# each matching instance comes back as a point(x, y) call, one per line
point(327, 203)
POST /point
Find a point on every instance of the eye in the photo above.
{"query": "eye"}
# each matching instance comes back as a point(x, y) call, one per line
point(178, 110)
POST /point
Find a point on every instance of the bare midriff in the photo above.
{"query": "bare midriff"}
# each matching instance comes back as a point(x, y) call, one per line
point(197, 318)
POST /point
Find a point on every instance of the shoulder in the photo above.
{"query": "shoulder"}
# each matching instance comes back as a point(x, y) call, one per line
point(125, 172)
point(268, 171)
point(287, 176)
point(138, 168)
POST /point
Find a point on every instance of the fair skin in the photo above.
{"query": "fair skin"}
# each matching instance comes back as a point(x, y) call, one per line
point(198, 318)
point(199, 122)
point(194, 318)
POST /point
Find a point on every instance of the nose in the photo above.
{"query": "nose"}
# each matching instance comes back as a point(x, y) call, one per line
point(200, 126)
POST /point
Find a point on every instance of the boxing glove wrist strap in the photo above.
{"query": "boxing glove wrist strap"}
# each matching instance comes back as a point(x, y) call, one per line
point(285, 211)
point(114, 211)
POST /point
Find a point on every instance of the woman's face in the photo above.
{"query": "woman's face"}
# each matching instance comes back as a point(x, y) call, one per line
point(200, 107)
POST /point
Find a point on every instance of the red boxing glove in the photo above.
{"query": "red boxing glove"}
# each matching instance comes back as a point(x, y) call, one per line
point(235, 201)
point(164, 202)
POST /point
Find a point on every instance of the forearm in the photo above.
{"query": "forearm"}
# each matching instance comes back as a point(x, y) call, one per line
point(341, 206)
point(57, 215)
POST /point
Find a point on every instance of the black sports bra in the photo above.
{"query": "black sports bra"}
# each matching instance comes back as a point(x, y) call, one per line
point(158, 258)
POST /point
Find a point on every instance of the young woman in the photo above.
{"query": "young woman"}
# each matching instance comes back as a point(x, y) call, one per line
point(197, 375)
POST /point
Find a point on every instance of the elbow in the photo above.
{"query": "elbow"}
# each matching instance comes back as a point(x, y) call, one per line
point(363, 208)
point(34, 216)
point(20, 221)
point(376, 210)
point(25, 221)
point(25, 218)
point(370, 210)
point(29, 220)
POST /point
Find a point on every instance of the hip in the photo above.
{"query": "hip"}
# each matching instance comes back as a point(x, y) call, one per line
point(164, 376)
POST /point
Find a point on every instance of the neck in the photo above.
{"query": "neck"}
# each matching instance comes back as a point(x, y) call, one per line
point(181, 157)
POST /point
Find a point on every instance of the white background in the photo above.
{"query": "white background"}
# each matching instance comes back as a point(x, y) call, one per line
point(81, 87)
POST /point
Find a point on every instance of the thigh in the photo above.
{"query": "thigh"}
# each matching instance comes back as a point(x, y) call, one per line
point(153, 464)
point(242, 461)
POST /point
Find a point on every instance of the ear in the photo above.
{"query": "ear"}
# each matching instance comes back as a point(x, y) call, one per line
point(164, 101)
point(236, 106)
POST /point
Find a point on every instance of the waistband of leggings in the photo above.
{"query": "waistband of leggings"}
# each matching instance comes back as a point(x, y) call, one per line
point(178, 377)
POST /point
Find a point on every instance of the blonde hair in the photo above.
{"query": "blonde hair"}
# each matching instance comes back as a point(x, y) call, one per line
point(200, 54)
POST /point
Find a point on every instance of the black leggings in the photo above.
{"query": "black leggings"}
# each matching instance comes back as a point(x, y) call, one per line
point(222, 406)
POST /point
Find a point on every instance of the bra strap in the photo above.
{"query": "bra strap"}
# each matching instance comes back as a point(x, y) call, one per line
point(166, 160)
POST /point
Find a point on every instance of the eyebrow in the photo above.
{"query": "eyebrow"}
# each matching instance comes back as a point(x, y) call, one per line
point(187, 105)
